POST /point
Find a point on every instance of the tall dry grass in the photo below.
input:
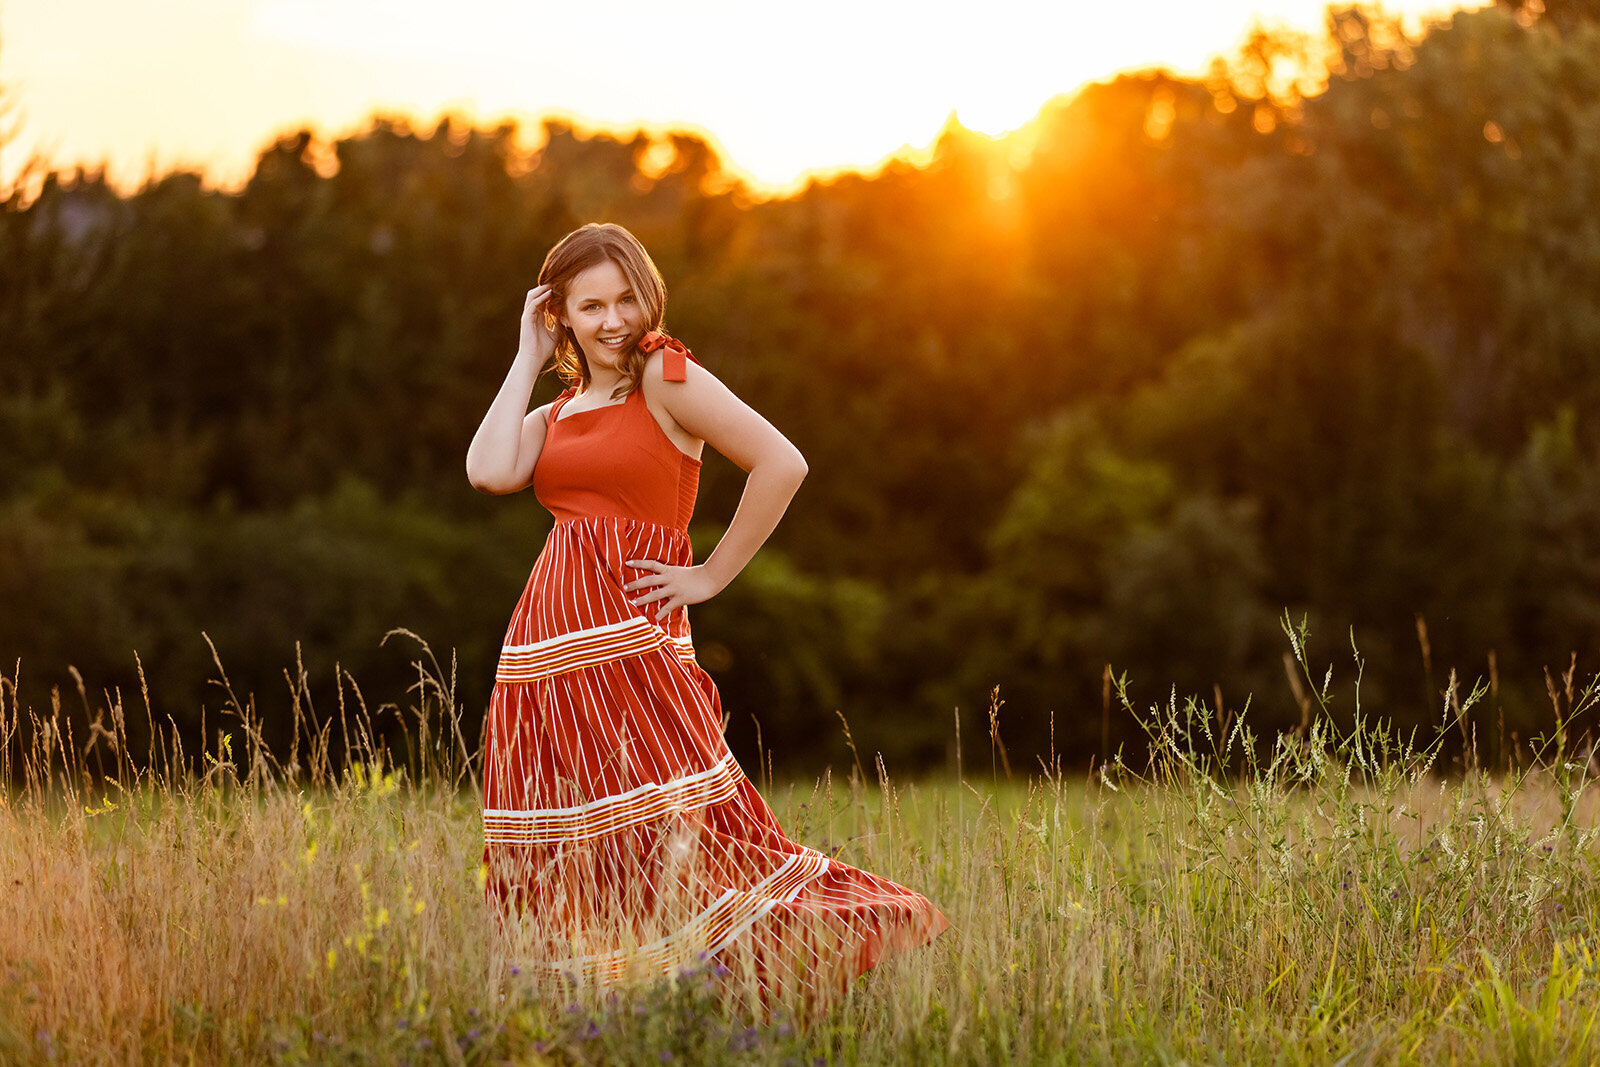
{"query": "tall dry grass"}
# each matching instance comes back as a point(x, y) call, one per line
point(1322, 896)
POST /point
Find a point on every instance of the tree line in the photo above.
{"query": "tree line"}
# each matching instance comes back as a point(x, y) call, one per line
point(1315, 334)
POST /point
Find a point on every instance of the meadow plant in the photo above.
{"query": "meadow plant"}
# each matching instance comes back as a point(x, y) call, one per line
point(1337, 892)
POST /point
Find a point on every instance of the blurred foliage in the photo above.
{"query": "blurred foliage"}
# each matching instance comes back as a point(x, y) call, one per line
point(1317, 332)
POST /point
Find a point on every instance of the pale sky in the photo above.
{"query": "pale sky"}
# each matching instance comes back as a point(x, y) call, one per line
point(149, 84)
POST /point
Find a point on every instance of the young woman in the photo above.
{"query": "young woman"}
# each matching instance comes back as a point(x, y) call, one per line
point(620, 835)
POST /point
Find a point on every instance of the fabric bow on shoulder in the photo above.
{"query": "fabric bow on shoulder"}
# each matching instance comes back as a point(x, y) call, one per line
point(674, 357)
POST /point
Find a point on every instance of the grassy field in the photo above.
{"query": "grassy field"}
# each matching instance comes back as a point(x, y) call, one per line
point(1331, 899)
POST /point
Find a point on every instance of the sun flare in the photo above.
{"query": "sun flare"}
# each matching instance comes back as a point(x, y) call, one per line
point(784, 90)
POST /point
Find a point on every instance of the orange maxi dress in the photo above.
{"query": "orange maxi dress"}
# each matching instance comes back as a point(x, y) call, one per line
point(620, 835)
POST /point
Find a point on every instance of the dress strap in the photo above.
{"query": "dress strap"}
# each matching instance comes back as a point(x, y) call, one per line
point(674, 357)
point(558, 403)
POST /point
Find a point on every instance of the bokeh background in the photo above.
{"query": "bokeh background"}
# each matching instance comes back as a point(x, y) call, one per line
point(1312, 329)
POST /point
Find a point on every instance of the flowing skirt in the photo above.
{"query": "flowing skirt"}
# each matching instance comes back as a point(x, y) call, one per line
point(621, 837)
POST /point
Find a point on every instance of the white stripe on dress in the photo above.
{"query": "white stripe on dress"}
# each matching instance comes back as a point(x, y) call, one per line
point(711, 931)
point(577, 649)
point(613, 814)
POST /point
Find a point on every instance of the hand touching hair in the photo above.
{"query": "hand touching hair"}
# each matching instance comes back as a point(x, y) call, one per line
point(581, 249)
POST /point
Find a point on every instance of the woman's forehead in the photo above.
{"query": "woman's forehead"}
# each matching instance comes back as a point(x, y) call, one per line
point(601, 281)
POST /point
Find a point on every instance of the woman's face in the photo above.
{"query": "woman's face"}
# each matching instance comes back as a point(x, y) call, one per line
point(605, 314)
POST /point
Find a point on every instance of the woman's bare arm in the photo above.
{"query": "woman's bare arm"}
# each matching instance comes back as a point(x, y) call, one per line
point(707, 409)
point(507, 444)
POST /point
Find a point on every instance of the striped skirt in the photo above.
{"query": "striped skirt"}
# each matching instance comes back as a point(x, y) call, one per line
point(621, 837)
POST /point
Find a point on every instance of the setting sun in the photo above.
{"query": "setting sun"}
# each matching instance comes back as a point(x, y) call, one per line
point(784, 91)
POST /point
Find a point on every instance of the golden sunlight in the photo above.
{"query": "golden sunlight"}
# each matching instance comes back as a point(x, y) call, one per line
point(785, 90)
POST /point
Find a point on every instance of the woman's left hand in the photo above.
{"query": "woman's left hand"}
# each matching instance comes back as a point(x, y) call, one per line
point(672, 587)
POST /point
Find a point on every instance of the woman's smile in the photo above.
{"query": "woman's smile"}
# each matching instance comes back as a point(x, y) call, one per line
point(604, 313)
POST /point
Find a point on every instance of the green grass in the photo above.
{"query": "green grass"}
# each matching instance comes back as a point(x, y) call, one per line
point(1330, 898)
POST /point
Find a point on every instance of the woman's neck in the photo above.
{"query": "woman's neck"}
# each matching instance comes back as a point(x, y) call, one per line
point(603, 381)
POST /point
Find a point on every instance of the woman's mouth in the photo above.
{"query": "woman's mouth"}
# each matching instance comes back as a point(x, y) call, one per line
point(616, 344)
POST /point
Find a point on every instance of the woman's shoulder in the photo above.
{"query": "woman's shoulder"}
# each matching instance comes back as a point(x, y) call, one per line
point(667, 388)
point(665, 369)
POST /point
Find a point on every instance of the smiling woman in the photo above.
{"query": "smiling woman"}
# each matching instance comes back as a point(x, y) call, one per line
point(605, 307)
point(621, 838)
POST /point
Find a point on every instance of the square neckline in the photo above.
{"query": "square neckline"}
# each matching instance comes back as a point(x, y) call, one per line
point(557, 416)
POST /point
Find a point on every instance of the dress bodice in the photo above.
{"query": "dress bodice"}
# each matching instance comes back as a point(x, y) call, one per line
point(614, 461)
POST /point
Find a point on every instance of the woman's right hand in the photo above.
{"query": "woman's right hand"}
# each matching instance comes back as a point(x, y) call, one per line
point(538, 340)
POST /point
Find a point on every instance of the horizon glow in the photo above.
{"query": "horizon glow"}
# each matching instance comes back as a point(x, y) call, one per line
point(147, 86)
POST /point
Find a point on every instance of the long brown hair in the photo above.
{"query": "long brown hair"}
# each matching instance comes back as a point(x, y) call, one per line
point(575, 253)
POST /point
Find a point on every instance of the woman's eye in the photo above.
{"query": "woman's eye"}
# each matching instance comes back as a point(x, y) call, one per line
point(627, 300)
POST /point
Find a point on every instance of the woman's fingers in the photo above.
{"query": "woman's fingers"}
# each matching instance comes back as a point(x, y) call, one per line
point(537, 298)
point(537, 339)
point(669, 604)
point(657, 575)
point(657, 583)
point(652, 594)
